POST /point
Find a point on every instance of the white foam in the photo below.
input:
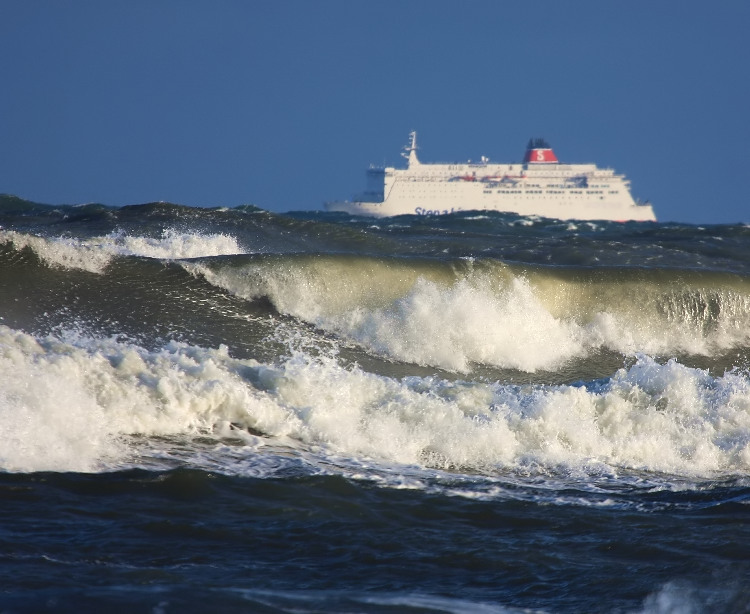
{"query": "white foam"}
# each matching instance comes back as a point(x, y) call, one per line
point(96, 253)
point(407, 316)
point(392, 601)
point(673, 598)
point(61, 252)
point(485, 314)
point(75, 404)
point(65, 405)
point(173, 245)
point(643, 318)
point(464, 324)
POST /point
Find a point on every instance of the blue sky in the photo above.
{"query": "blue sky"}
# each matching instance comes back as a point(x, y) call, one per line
point(284, 104)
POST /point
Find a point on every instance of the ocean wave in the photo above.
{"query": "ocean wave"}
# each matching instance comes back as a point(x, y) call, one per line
point(94, 254)
point(103, 404)
point(460, 313)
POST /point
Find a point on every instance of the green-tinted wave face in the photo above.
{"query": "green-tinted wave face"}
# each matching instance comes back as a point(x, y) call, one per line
point(392, 293)
point(456, 314)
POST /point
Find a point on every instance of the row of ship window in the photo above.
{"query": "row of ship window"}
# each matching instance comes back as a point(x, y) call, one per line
point(528, 185)
point(550, 192)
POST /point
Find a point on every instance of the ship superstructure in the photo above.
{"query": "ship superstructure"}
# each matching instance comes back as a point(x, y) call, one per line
point(539, 185)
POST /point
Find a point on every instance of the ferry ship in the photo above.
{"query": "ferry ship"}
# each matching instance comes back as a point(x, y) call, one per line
point(540, 186)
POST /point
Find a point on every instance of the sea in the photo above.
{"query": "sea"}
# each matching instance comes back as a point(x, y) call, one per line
point(230, 410)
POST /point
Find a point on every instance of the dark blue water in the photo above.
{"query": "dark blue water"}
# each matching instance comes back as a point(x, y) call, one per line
point(235, 411)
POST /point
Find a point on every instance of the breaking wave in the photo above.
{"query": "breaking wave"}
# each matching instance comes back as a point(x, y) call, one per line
point(94, 254)
point(467, 312)
point(95, 397)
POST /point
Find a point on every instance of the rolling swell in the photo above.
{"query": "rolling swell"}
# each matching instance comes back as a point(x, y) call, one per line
point(147, 300)
point(455, 313)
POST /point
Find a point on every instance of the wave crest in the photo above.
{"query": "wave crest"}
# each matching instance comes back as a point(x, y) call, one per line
point(462, 313)
point(93, 397)
point(94, 254)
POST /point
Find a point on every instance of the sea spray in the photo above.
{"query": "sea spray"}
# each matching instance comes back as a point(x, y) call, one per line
point(462, 313)
point(95, 253)
point(657, 417)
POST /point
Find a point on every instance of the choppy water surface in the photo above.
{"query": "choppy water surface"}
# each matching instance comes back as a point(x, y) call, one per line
point(229, 410)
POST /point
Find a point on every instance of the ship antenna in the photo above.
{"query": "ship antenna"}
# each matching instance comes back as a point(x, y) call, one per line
point(412, 149)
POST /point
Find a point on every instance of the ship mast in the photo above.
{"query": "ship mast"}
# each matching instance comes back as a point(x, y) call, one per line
point(411, 148)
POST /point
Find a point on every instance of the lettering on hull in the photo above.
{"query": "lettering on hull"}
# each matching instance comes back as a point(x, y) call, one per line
point(421, 211)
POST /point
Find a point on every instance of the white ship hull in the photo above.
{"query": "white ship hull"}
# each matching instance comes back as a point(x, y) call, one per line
point(538, 186)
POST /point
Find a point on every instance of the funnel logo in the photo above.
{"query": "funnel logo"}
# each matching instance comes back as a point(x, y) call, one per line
point(538, 151)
